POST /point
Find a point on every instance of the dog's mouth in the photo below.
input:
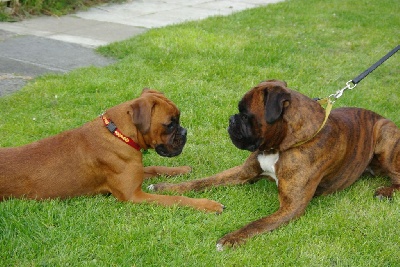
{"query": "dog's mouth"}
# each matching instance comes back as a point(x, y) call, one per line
point(163, 151)
point(241, 135)
point(245, 145)
point(175, 146)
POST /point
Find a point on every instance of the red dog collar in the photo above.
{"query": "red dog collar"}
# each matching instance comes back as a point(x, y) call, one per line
point(114, 130)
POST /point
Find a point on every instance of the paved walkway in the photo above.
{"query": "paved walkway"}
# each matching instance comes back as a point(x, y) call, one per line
point(59, 44)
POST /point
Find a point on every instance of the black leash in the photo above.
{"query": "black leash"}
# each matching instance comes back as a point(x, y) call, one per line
point(373, 67)
point(328, 100)
point(358, 79)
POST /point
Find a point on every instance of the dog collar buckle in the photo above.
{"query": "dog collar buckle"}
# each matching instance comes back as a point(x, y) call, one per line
point(111, 127)
point(114, 130)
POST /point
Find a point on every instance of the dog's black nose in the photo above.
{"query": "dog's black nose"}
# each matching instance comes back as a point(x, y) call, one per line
point(183, 132)
point(232, 120)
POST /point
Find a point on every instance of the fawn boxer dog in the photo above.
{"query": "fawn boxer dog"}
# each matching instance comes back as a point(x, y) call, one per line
point(282, 129)
point(102, 156)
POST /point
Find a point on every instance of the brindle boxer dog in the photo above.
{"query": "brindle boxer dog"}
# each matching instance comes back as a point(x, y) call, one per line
point(280, 127)
point(102, 156)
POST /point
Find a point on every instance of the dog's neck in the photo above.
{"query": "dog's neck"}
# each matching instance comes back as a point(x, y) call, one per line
point(125, 124)
point(112, 128)
point(328, 109)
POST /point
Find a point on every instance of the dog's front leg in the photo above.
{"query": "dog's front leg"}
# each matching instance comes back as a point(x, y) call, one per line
point(127, 188)
point(294, 197)
point(247, 172)
point(201, 204)
point(260, 226)
point(154, 171)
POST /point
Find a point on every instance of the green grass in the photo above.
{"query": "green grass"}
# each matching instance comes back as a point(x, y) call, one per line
point(205, 67)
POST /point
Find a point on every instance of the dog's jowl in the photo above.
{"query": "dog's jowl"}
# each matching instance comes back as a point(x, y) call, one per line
point(102, 156)
point(305, 155)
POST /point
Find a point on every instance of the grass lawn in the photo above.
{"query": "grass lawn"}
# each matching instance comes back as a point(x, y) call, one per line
point(205, 67)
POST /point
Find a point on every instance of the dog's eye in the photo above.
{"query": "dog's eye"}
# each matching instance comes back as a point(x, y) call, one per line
point(171, 126)
point(244, 116)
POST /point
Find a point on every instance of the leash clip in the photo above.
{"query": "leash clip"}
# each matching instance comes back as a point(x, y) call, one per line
point(357, 79)
point(339, 93)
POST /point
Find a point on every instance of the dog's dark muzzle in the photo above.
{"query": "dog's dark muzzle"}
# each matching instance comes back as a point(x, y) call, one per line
point(234, 129)
point(241, 134)
point(175, 146)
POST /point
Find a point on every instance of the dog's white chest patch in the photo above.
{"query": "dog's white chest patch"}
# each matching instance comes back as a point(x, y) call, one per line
point(267, 163)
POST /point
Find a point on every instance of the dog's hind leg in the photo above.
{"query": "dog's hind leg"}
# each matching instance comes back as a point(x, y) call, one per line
point(387, 156)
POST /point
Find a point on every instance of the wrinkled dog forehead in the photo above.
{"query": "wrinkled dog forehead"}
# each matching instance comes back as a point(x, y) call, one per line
point(160, 102)
point(167, 107)
point(152, 108)
point(250, 101)
point(266, 101)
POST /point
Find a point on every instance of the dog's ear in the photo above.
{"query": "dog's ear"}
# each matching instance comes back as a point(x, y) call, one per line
point(274, 102)
point(142, 109)
point(141, 114)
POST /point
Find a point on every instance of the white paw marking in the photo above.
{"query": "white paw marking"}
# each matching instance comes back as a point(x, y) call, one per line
point(220, 247)
point(151, 187)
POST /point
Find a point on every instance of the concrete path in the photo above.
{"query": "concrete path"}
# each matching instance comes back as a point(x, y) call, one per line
point(59, 44)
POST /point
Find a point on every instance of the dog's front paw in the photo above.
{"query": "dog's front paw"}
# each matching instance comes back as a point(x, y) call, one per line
point(151, 187)
point(229, 240)
point(386, 192)
point(185, 169)
point(210, 205)
point(158, 187)
point(177, 188)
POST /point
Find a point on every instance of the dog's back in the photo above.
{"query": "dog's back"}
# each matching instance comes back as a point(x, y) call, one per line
point(366, 133)
point(39, 170)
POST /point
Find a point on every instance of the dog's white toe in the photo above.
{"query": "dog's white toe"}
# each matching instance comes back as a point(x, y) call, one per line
point(220, 247)
point(151, 187)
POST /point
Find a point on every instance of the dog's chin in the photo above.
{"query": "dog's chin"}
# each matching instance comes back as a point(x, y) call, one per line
point(245, 146)
point(165, 151)
point(242, 142)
